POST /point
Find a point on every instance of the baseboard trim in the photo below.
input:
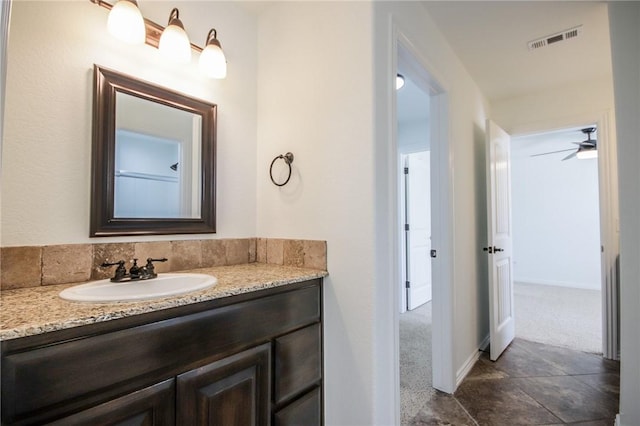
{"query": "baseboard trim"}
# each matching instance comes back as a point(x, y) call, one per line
point(556, 283)
point(617, 423)
point(485, 343)
point(471, 361)
point(466, 367)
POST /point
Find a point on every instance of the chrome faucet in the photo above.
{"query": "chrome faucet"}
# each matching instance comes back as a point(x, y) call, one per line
point(136, 273)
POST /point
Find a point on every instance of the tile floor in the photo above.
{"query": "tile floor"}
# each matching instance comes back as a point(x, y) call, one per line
point(530, 384)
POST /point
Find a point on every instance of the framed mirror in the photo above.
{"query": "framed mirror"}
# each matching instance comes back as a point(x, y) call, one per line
point(153, 159)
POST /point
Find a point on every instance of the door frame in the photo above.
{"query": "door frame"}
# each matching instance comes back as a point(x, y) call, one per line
point(419, 68)
point(609, 214)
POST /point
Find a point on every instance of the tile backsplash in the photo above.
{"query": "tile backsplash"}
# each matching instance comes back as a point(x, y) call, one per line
point(33, 266)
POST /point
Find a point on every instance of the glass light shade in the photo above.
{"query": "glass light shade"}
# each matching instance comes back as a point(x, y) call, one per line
point(399, 81)
point(212, 61)
point(587, 154)
point(174, 42)
point(126, 23)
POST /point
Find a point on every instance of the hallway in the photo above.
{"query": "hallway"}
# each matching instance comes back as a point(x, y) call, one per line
point(531, 383)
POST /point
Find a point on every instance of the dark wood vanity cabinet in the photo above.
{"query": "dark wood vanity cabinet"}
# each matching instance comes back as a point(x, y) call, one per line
point(253, 359)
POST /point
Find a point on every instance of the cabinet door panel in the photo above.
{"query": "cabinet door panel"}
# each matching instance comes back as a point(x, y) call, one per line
point(304, 411)
point(233, 391)
point(152, 406)
point(298, 362)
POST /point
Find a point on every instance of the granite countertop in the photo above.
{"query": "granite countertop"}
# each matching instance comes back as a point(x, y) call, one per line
point(37, 310)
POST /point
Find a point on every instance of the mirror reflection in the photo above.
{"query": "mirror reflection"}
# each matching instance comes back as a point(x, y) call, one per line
point(153, 167)
point(157, 160)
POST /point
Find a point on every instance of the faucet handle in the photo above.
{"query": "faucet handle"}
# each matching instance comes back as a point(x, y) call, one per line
point(121, 271)
point(150, 268)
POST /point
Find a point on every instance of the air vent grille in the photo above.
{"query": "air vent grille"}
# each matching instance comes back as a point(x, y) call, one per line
point(555, 38)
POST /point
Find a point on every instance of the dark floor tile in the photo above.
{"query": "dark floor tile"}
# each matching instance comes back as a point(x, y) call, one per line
point(603, 422)
point(569, 399)
point(569, 361)
point(518, 361)
point(608, 383)
point(502, 402)
point(485, 370)
point(442, 410)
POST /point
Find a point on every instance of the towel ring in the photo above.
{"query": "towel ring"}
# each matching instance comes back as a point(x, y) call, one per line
point(288, 158)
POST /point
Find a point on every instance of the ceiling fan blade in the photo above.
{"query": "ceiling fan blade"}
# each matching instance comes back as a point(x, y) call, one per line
point(552, 152)
point(573, 154)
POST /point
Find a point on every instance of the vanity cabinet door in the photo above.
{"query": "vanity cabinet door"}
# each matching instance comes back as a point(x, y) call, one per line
point(154, 405)
point(234, 391)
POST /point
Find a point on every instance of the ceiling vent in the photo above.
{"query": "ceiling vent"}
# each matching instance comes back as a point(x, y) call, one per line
point(555, 38)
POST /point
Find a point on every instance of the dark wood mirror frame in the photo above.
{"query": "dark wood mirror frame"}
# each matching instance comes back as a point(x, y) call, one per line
point(103, 223)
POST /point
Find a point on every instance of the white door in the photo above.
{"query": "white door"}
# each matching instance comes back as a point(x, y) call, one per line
point(501, 320)
point(418, 228)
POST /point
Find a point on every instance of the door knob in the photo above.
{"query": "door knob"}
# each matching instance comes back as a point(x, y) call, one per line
point(491, 249)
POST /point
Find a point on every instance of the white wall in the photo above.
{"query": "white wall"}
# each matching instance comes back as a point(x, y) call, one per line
point(46, 159)
point(555, 108)
point(413, 118)
point(468, 110)
point(555, 211)
point(314, 99)
point(624, 19)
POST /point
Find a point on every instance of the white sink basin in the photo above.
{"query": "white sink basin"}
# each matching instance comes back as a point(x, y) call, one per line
point(162, 286)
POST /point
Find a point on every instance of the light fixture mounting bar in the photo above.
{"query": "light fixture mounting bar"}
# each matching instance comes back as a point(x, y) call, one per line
point(153, 30)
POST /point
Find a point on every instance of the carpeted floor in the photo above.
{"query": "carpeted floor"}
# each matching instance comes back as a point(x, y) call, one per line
point(559, 316)
point(415, 361)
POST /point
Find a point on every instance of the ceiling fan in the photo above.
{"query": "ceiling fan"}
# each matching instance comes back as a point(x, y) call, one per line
point(586, 149)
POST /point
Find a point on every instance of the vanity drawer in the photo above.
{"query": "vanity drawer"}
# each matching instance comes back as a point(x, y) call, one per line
point(59, 378)
point(307, 410)
point(298, 360)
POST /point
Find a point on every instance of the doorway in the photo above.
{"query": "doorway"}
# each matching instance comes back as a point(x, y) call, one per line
point(415, 242)
point(555, 198)
point(439, 350)
point(415, 194)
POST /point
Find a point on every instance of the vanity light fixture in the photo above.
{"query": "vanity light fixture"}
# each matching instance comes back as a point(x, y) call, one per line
point(212, 60)
point(126, 23)
point(174, 41)
point(399, 81)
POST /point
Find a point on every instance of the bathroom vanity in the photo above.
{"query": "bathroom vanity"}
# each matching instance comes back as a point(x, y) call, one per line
point(246, 352)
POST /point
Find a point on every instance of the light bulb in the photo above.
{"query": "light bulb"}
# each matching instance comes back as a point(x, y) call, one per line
point(212, 60)
point(399, 81)
point(126, 23)
point(174, 42)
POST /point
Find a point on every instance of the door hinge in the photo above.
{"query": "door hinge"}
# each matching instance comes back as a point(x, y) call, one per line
point(434, 253)
point(406, 170)
point(406, 226)
point(407, 284)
